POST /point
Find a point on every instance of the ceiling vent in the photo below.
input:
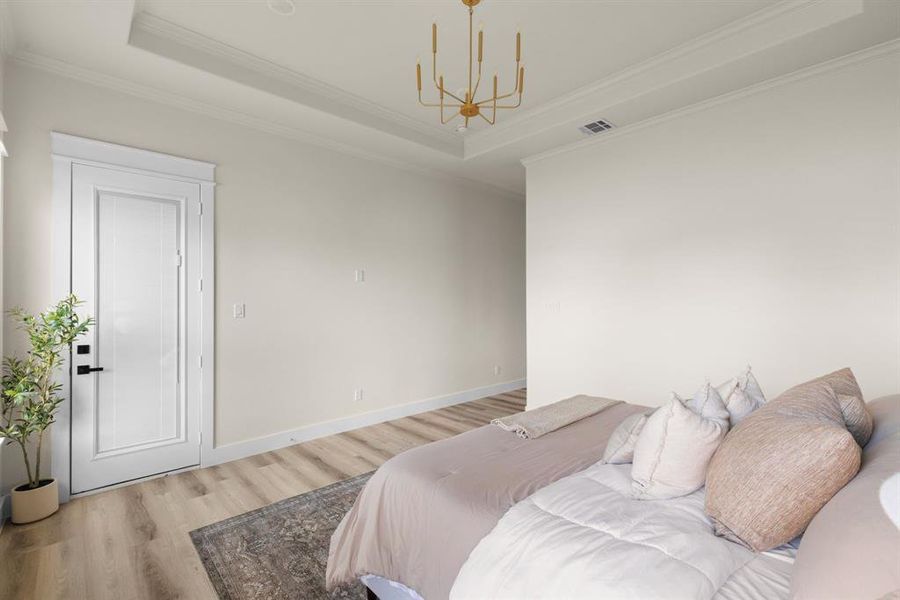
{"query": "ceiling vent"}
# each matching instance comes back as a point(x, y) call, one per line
point(596, 127)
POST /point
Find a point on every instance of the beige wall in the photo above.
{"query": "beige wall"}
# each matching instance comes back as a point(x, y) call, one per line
point(443, 300)
point(764, 230)
point(4, 453)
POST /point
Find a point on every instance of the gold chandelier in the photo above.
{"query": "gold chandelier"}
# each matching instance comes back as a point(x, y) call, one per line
point(466, 105)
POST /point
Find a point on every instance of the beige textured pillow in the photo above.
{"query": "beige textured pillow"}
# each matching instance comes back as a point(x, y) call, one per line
point(856, 415)
point(620, 447)
point(779, 466)
point(851, 549)
point(857, 418)
point(673, 451)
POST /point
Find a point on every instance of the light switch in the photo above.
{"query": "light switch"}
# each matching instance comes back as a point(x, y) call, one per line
point(359, 276)
point(239, 311)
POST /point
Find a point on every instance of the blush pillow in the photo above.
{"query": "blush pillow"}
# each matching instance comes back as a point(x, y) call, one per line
point(672, 452)
point(779, 466)
point(620, 447)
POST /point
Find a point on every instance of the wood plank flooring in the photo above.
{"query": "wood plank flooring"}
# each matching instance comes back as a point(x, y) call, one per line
point(133, 542)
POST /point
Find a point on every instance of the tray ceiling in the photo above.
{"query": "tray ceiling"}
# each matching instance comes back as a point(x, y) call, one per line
point(342, 73)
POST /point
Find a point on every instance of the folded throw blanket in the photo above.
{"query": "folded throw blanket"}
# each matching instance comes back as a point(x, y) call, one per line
point(535, 423)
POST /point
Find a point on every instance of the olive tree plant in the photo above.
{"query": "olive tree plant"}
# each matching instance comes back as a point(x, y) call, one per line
point(30, 393)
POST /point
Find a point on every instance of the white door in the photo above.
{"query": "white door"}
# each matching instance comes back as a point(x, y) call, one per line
point(136, 375)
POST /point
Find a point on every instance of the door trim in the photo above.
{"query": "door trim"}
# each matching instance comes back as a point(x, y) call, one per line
point(68, 150)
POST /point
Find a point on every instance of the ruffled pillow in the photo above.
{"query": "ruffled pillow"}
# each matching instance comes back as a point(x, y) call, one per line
point(674, 448)
point(741, 395)
point(620, 447)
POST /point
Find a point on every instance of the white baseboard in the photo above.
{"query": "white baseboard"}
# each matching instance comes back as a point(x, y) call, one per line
point(229, 452)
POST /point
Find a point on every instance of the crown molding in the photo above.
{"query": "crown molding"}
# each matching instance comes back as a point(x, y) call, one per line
point(855, 58)
point(758, 31)
point(70, 71)
point(164, 38)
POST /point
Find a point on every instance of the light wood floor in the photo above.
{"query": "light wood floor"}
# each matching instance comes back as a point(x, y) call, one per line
point(133, 542)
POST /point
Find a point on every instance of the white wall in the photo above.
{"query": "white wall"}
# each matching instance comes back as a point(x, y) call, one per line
point(443, 300)
point(764, 230)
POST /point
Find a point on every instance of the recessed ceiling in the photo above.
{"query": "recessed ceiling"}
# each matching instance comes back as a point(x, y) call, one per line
point(342, 73)
point(369, 48)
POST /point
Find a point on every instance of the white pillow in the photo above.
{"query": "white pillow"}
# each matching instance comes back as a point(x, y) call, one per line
point(620, 447)
point(707, 403)
point(672, 452)
point(742, 395)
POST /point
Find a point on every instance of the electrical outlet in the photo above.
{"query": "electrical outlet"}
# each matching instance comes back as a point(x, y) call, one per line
point(357, 395)
point(239, 310)
point(497, 370)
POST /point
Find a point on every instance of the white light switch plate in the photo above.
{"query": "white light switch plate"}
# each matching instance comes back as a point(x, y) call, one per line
point(239, 311)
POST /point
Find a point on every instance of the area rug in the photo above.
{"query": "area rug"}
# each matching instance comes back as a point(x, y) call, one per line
point(280, 550)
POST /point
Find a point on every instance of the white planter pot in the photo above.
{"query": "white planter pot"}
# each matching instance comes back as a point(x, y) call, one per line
point(30, 505)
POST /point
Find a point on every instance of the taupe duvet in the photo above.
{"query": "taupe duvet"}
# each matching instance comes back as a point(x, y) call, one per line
point(423, 511)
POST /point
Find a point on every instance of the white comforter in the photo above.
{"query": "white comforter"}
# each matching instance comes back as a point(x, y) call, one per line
point(585, 537)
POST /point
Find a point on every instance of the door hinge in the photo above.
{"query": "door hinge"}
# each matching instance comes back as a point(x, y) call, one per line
point(200, 439)
point(199, 208)
point(200, 361)
point(199, 285)
point(178, 260)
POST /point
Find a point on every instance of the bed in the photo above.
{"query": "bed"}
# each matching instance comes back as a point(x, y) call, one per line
point(423, 511)
point(489, 515)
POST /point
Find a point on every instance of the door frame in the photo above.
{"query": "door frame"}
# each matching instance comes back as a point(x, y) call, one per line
point(68, 150)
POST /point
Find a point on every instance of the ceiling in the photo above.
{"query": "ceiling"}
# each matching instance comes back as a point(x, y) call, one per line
point(342, 73)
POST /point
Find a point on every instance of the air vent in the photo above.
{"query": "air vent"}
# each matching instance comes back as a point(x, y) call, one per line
point(596, 127)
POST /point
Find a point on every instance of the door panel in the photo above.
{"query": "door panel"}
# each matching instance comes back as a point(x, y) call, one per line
point(135, 247)
point(139, 400)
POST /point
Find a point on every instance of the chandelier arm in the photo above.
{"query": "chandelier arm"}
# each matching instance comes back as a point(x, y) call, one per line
point(502, 97)
point(477, 83)
point(428, 104)
point(438, 87)
point(519, 89)
point(489, 121)
point(442, 105)
point(454, 96)
point(516, 105)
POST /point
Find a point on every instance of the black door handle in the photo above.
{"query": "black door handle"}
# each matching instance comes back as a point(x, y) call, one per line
point(86, 369)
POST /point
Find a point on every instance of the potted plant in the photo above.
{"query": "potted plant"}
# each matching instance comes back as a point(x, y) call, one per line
point(30, 397)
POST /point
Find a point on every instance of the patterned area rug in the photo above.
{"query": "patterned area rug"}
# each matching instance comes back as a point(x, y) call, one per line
point(280, 550)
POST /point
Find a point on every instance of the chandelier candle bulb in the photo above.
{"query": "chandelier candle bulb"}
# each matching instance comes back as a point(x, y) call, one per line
point(419, 75)
point(434, 37)
point(518, 46)
point(521, 81)
point(480, 41)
